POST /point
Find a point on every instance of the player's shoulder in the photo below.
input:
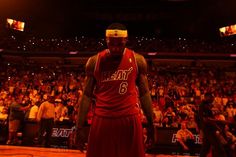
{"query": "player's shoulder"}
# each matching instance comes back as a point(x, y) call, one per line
point(91, 62)
point(141, 62)
point(138, 56)
point(139, 59)
point(93, 58)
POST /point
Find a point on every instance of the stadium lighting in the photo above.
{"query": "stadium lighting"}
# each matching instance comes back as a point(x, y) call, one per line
point(152, 53)
point(73, 52)
point(232, 55)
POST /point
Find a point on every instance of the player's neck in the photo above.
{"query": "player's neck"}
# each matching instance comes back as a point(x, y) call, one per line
point(116, 53)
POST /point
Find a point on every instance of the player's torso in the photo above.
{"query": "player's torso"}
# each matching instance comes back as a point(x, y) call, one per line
point(115, 77)
point(116, 72)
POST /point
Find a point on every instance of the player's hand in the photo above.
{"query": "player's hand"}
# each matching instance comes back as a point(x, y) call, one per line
point(186, 148)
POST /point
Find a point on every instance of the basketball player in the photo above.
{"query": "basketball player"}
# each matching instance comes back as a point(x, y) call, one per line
point(113, 76)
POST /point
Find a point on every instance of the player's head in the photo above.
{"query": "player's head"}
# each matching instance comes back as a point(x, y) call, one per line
point(116, 38)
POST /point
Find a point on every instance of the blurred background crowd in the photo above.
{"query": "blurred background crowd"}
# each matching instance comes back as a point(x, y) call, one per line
point(176, 91)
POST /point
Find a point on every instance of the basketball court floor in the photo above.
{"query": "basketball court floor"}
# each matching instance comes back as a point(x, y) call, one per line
point(20, 151)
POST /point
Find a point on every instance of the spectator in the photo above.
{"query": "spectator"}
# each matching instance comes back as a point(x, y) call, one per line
point(33, 112)
point(170, 115)
point(46, 117)
point(185, 139)
point(158, 116)
point(16, 117)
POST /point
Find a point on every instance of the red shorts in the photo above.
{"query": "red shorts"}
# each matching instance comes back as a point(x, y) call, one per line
point(116, 137)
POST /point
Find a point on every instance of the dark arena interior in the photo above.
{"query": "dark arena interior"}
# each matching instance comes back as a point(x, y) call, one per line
point(189, 46)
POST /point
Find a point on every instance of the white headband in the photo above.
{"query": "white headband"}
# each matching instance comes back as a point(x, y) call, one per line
point(116, 33)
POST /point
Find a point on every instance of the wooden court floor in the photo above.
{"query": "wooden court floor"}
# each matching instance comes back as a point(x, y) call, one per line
point(20, 151)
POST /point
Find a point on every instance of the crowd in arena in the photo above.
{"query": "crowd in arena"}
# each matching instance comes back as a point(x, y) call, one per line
point(176, 92)
point(139, 43)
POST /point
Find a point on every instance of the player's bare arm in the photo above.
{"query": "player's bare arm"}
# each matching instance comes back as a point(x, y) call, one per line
point(87, 92)
point(145, 98)
point(142, 83)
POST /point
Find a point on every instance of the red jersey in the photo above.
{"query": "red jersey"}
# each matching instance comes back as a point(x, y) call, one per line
point(116, 92)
